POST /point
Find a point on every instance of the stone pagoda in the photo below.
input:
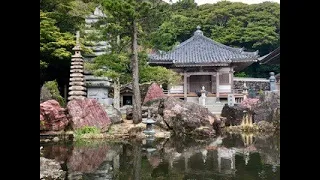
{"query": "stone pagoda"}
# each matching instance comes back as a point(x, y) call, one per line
point(77, 88)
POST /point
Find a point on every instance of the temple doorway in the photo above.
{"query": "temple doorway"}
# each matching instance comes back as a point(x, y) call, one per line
point(196, 83)
point(127, 100)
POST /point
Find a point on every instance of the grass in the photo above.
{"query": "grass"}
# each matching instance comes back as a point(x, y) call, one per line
point(87, 132)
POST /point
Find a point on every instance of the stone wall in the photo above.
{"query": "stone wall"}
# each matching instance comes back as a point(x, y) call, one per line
point(251, 83)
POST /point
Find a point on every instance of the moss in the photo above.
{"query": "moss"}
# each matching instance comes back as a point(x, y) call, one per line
point(52, 86)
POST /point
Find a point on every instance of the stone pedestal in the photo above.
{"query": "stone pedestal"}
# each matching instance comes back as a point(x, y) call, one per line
point(98, 88)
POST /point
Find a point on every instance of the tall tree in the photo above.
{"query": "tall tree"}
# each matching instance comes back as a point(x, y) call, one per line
point(129, 12)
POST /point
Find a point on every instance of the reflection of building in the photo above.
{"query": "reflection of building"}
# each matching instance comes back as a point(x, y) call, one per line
point(224, 156)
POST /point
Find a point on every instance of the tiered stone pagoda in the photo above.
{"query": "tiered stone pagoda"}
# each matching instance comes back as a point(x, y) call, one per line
point(206, 63)
point(98, 47)
point(77, 88)
point(97, 87)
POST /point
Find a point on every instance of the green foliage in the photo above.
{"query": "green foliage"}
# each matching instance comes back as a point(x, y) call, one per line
point(52, 86)
point(158, 74)
point(240, 74)
point(79, 133)
point(59, 20)
point(160, 25)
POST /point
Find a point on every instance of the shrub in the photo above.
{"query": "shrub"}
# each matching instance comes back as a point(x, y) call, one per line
point(52, 86)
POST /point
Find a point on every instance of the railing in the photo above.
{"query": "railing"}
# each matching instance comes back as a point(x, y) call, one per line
point(238, 100)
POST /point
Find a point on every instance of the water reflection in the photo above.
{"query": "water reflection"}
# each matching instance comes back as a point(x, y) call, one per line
point(226, 157)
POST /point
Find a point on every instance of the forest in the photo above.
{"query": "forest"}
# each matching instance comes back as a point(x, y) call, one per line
point(134, 28)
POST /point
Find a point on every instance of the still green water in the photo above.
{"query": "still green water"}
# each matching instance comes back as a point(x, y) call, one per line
point(225, 157)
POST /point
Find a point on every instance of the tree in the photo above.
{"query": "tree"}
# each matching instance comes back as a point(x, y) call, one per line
point(59, 20)
point(128, 14)
point(55, 50)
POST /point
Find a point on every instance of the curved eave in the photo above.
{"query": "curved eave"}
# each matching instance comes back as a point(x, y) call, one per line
point(244, 60)
point(240, 65)
point(271, 58)
point(159, 62)
point(201, 64)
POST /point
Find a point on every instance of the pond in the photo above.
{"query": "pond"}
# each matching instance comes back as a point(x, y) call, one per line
point(231, 156)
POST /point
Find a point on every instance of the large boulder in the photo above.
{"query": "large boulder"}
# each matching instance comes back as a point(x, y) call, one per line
point(154, 92)
point(233, 114)
point(114, 114)
point(52, 116)
point(267, 108)
point(186, 118)
point(88, 112)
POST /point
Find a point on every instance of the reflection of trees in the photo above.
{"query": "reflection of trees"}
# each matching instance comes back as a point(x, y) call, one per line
point(175, 159)
point(137, 161)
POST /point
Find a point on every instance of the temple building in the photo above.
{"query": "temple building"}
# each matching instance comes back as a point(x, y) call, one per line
point(204, 64)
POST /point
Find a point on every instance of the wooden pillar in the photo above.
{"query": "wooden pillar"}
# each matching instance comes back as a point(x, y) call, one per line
point(217, 88)
point(212, 85)
point(185, 86)
point(188, 84)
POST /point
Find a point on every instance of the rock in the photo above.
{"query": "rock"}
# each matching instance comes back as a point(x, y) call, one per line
point(88, 112)
point(50, 169)
point(45, 94)
point(268, 109)
point(52, 116)
point(114, 114)
point(186, 118)
point(129, 113)
point(233, 115)
point(265, 126)
point(154, 92)
point(144, 111)
point(143, 90)
point(183, 118)
point(55, 139)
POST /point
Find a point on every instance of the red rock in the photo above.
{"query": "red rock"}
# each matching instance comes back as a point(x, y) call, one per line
point(88, 112)
point(154, 92)
point(52, 116)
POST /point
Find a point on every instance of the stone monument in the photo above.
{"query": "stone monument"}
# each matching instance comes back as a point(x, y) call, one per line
point(76, 85)
point(98, 88)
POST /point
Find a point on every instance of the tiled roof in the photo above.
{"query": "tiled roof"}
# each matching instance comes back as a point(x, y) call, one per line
point(200, 50)
point(271, 58)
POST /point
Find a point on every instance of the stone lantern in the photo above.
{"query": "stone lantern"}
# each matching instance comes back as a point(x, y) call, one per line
point(272, 81)
point(149, 131)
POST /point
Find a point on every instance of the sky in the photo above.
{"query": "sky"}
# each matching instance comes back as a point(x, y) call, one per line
point(199, 2)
